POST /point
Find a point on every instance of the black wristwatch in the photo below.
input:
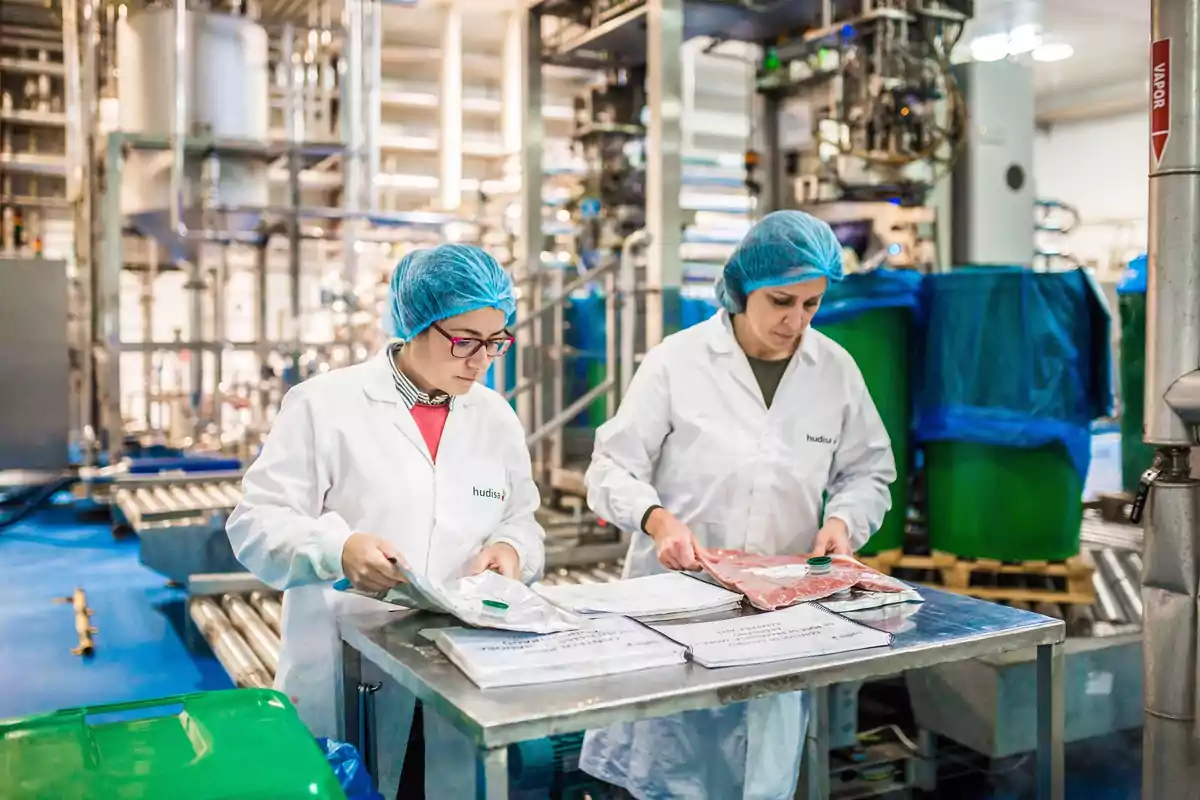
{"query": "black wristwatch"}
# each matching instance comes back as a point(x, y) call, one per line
point(646, 518)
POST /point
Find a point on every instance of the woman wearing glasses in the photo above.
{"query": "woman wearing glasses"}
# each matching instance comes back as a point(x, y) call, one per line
point(403, 458)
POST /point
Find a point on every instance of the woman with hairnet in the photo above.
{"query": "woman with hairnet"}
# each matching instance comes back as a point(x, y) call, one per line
point(730, 436)
point(403, 458)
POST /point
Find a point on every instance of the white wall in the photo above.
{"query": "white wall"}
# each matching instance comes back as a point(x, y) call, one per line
point(1100, 168)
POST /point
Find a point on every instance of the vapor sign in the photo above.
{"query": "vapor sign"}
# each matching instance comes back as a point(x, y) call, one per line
point(1160, 97)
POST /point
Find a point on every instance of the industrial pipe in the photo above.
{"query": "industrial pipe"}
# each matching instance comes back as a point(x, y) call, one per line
point(179, 129)
point(627, 286)
point(1171, 574)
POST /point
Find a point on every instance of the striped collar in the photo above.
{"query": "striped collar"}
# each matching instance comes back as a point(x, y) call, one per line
point(408, 390)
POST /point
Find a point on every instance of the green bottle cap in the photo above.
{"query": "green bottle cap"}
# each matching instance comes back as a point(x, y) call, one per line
point(820, 561)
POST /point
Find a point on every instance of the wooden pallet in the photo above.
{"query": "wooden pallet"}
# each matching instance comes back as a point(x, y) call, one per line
point(963, 576)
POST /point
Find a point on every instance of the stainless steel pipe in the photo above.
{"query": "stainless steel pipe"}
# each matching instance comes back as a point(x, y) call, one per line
point(1171, 753)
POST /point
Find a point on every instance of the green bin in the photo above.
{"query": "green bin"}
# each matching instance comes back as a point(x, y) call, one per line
point(878, 340)
point(1006, 503)
point(241, 743)
point(1135, 454)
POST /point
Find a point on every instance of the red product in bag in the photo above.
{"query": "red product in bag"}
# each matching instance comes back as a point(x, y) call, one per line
point(771, 582)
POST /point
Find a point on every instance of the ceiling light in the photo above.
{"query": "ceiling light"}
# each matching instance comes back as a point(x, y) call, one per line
point(1056, 51)
point(990, 48)
point(997, 46)
point(1023, 39)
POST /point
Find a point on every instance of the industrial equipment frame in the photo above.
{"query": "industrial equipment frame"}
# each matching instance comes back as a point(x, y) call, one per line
point(540, 412)
point(380, 650)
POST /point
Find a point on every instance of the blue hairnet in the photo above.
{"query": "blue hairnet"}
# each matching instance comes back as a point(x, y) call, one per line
point(432, 285)
point(783, 248)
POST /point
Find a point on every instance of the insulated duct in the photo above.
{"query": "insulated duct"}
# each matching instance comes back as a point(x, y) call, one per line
point(1171, 755)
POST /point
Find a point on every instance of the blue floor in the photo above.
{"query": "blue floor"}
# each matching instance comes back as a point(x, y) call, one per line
point(140, 644)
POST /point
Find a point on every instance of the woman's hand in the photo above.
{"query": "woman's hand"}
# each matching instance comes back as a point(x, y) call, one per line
point(674, 542)
point(501, 558)
point(833, 539)
point(370, 563)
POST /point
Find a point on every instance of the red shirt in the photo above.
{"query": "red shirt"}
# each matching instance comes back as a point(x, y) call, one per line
point(431, 421)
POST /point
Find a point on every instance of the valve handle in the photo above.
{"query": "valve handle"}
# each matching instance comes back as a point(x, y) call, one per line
point(1143, 492)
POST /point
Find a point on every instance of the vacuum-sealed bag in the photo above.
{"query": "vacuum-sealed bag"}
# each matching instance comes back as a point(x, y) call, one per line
point(771, 582)
point(486, 600)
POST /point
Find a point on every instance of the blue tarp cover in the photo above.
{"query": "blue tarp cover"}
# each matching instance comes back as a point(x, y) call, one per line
point(1013, 358)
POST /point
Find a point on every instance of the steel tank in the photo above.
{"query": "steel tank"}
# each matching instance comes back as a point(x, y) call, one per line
point(227, 79)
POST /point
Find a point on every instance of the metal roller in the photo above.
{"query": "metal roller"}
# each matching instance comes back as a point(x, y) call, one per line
point(1128, 594)
point(1106, 600)
point(270, 609)
point(228, 646)
point(262, 640)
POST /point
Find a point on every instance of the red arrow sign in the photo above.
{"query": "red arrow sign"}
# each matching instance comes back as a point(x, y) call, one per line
point(1160, 97)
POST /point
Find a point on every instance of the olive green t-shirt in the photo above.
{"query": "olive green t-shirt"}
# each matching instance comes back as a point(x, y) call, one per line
point(768, 374)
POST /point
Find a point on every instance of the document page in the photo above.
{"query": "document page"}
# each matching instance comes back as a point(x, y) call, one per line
point(798, 632)
point(606, 647)
point(650, 596)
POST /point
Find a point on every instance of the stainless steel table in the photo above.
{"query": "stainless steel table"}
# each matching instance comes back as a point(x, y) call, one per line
point(947, 628)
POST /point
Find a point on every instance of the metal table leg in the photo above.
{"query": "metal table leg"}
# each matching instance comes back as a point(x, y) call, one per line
point(494, 785)
point(814, 766)
point(1051, 716)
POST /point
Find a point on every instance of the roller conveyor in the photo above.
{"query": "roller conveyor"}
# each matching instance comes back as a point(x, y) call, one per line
point(144, 501)
point(243, 627)
point(1115, 551)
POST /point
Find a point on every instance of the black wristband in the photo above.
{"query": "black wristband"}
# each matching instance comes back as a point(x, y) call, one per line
point(646, 518)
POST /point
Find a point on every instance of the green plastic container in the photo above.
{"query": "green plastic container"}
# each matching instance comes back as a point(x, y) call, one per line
point(1007, 503)
point(879, 342)
point(1136, 456)
point(238, 744)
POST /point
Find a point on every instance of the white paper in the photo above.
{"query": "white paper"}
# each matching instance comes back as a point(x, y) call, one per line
point(667, 594)
point(801, 631)
point(608, 646)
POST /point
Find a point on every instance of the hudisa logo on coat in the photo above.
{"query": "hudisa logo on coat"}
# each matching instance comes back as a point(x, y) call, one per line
point(490, 494)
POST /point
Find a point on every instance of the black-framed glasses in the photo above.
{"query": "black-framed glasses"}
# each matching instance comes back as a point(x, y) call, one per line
point(462, 347)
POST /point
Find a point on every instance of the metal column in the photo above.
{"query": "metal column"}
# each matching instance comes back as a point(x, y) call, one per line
point(1170, 591)
point(451, 108)
point(354, 139)
point(664, 166)
point(529, 240)
point(106, 341)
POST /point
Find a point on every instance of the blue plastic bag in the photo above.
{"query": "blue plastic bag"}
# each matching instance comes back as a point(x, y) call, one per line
point(1014, 358)
point(865, 291)
point(1133, 279)
point(347, 764)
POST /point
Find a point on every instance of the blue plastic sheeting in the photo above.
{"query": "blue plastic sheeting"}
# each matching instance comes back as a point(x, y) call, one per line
point(584, 332)
point(187, 463)
point(864, 291)
point(1133, 280)
point(857, 293)
point(348, 766)
point(1014, 358)
point(694, 309)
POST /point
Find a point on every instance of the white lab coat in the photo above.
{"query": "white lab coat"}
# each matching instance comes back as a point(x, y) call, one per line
point(694, 436)
point(346, 456)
